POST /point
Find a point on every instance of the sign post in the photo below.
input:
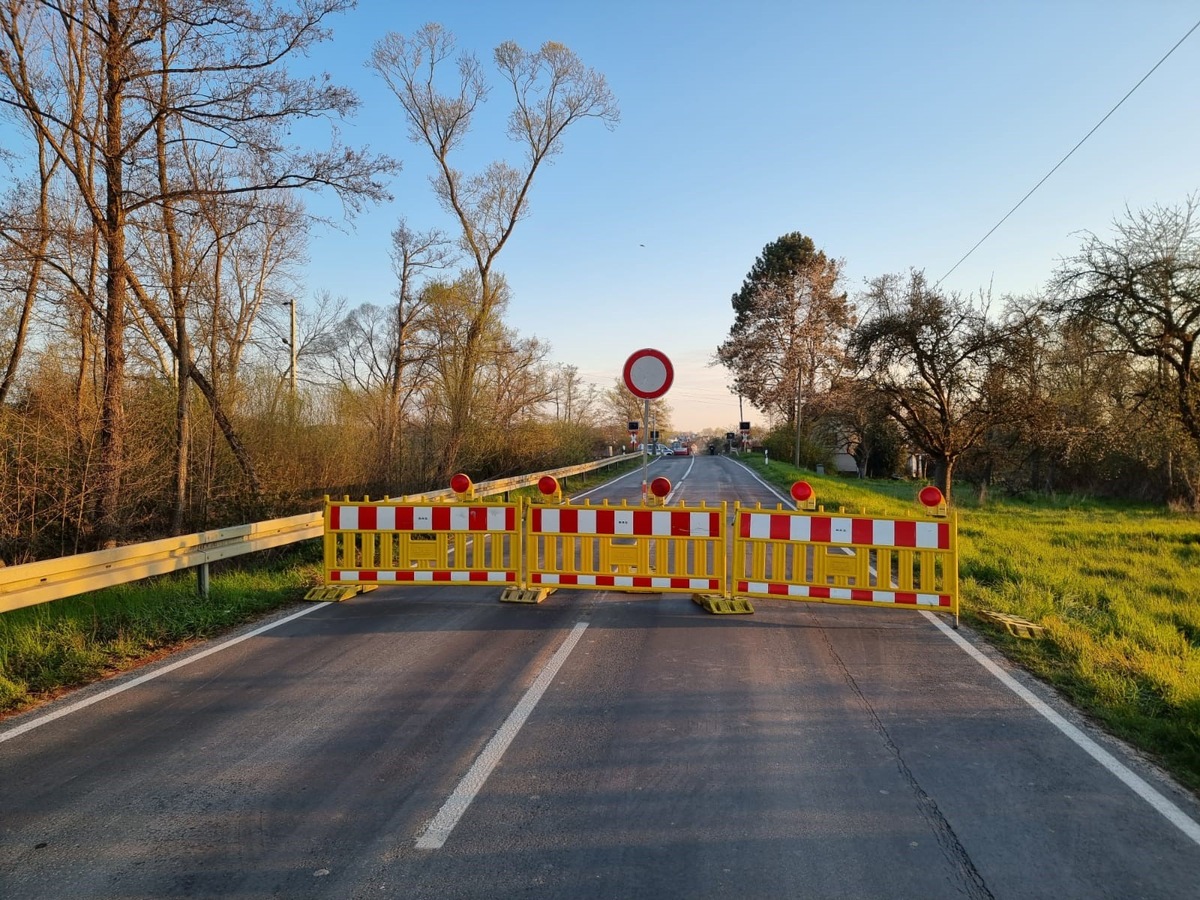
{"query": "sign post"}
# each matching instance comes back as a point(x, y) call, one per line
point(648, 375)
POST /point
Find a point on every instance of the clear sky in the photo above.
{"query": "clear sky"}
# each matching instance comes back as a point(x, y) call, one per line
point(894, 134)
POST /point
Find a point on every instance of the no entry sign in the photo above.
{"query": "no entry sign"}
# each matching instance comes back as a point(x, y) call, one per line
point(648, 374)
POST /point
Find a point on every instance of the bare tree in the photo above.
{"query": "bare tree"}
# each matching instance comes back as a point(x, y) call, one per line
point(551, 90)
point(28, 236)
point(939, 363)
point(97, 80)
point(414, 254)
point(574, 400)
point(1141, 291)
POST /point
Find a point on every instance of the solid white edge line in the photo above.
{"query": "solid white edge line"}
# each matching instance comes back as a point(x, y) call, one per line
point(438, 830)
point(150, 676)
point(785, 500)
point(1130, 779)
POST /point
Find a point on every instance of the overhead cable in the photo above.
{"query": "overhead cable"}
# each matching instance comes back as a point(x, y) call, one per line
point(1068, 156)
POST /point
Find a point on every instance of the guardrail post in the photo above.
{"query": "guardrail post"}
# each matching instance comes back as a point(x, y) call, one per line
point(202, 579)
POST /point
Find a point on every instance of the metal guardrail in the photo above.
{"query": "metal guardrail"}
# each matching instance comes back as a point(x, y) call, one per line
point(29, 584)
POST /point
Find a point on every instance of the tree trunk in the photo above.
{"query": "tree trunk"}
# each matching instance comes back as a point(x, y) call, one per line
point(179, 310)
point(112, 409)
point(943, 470)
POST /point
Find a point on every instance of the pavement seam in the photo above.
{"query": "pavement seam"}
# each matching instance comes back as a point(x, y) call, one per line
point(969, 878)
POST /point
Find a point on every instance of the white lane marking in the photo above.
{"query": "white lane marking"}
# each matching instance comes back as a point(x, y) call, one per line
point(1131, 780)
point(667, 500)
point(452, 810)
point(787, 501)
point(150, 676)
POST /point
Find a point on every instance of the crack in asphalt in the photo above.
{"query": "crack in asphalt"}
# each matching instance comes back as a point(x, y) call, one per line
point(969, 879)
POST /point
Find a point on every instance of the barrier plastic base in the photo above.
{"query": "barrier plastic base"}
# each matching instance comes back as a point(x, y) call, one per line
point(336, 593)
point(525, 595)
point(721, 606)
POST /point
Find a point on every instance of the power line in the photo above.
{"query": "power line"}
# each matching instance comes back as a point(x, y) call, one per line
point(1069, 155)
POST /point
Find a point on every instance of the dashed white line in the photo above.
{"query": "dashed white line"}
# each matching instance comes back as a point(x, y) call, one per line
point(671, 496)
point(438, 830)
point(1126, 776)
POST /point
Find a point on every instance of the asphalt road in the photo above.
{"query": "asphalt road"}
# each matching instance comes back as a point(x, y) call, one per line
point(432, 742)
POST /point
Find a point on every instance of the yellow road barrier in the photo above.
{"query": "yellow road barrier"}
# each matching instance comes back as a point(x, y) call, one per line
point(848, 559)
point(372, 543)
point(673, 549)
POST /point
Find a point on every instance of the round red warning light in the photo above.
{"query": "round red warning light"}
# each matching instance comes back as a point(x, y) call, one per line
point(660, 487)
point(801, 491)
point(931, 496)
point(548, 484)
point(460, 483)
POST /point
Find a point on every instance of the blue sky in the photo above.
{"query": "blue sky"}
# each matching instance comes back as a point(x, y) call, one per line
point(894, 134)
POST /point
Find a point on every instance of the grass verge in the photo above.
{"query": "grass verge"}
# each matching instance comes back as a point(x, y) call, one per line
point(1116, 586)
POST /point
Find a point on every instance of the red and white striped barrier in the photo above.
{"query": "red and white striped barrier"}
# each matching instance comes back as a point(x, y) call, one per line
point(844, 530)
point(856, 560)
point(374, 543)
point(617, 521)
point(443, 517)
point(813, 592)
point(427, 576)
point(647, 582)
point(634, 548)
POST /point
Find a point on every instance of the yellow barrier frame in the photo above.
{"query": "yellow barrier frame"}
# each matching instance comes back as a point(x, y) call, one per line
point(855, 560)
point(676, 549)
point(386, 542)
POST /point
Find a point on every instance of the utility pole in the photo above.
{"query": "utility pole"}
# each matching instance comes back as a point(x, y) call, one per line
point(799, 404)
point(292, 350)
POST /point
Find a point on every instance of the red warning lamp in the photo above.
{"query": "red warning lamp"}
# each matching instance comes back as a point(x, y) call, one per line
point(933, 500)
point(804, 495)
point(660, 487)
point(462, 485)
point(550, 489)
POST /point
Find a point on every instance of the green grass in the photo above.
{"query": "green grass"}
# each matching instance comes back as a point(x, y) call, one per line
point(1116, 586)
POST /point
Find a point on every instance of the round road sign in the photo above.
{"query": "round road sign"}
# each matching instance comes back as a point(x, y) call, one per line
point(648, 374)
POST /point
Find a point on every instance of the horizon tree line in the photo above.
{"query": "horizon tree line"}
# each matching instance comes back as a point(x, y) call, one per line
point(1091, 386)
